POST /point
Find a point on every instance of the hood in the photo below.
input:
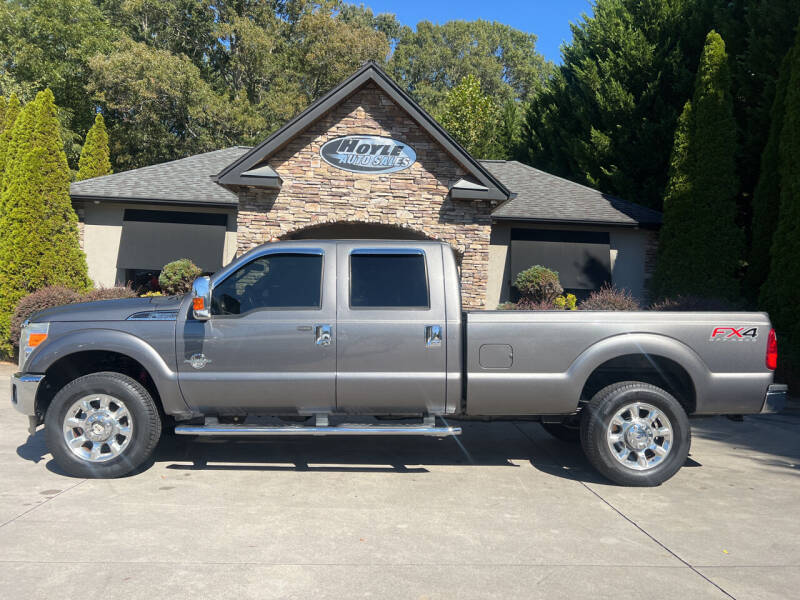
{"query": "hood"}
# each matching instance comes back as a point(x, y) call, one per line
point(107, 310)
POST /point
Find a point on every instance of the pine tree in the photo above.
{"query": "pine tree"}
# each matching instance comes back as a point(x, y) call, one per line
point(39, 246)
point(767, 195)
point(95, 156)
point(700, 245)
point(780, 295)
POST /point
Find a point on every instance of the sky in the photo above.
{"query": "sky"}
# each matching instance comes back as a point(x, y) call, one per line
point(548, 19)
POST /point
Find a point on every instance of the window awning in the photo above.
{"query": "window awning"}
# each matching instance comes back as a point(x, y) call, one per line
point(152, 238)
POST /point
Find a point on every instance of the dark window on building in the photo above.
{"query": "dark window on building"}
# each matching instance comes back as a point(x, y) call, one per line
point(274, 281)
point(582, 258)
point(388, 281)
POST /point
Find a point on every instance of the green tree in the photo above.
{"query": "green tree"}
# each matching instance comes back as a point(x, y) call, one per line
point(161, 108)
point(40, 245)
point(767, 195)
point(471, 117)
point(95, 160)
point(608, 117)
point(700, 245)
point(433, 59)
point(780, 295)
point(48, 43)
point(10, 112)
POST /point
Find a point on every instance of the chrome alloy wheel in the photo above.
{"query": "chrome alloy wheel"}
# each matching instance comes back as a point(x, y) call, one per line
point(640, 436)
point(98, 427)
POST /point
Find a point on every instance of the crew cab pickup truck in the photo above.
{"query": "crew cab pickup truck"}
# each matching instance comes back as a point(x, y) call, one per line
point(321, 337)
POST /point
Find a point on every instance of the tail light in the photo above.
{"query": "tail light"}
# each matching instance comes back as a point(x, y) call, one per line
point(772, 350)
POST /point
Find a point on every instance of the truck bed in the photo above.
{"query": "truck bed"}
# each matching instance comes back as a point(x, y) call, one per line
point(539, 362)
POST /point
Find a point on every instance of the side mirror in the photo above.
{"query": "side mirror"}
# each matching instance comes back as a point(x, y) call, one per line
point(201, 298)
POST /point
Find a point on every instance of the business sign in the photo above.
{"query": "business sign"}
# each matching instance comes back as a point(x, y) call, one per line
point(368, 154)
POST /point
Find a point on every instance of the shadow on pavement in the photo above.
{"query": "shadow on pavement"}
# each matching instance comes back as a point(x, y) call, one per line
point(770, 439)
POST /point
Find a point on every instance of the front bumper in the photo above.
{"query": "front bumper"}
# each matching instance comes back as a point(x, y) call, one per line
point(775, 399)
point(23, 392)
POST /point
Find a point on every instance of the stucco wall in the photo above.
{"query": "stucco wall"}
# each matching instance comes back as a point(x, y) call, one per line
point(631, 251)
point(101, 233)
point(416, 198)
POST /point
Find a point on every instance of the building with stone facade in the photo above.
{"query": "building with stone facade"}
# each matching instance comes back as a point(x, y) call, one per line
point(365, 161)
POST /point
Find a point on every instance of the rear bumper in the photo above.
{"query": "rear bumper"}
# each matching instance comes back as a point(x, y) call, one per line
point(775, 400)
point(23, 392)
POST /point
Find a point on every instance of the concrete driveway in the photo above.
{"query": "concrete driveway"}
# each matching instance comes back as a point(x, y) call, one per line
point(503, 511)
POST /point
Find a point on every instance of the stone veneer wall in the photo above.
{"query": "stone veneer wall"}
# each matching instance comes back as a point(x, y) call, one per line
point(315, 193)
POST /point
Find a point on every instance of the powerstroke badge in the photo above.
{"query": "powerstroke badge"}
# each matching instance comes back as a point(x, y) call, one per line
point(368, 154)
point(734, 334)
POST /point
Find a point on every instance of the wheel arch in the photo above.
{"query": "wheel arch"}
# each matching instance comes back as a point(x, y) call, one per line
point(656, 359)
point(89, 351)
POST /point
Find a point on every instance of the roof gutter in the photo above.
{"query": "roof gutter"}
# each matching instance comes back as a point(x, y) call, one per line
point(165, 201)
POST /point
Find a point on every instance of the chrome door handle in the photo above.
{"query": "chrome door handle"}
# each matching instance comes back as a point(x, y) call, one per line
point(433, 335)
point(323, 335)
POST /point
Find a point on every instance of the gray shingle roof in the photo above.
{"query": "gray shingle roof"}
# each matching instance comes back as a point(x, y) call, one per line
point(187, 180)
point(539, 195)
point(544, 197)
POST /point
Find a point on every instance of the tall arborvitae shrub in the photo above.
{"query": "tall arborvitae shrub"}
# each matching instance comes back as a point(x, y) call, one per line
point(780, 295)
point(10, 113)
point(700, 245)
point(39, 246)
point(95, 157)
point(767, 195)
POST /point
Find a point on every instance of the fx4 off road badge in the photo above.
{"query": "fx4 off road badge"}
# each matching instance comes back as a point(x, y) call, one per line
point(734, 334)
point(368, 154)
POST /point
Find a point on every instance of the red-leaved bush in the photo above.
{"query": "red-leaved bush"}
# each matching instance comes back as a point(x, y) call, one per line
point(609, 298)
point(56, 295)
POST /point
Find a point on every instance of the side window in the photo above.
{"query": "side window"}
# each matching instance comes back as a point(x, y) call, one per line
point(388, 281)
point(272, 281)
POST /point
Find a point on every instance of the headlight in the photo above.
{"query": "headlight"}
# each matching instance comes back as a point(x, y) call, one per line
point(32, 335)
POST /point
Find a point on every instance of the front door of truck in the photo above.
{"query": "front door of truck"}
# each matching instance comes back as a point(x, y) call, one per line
point(269, 345)
point(391, 345)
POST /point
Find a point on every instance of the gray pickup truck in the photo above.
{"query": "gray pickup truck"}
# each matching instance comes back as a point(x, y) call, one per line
point(321, 337)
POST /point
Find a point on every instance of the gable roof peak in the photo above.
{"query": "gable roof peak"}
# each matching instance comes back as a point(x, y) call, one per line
point(231, 176)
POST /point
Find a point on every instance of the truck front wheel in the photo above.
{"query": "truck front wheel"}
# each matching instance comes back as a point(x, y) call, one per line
point(635, 433)
point(102, 425)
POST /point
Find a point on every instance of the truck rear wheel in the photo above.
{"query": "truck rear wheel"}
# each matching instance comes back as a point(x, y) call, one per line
point(635, 433)
point(102, 425)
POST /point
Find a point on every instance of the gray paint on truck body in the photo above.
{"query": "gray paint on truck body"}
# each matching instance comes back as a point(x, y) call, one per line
point(267, 361)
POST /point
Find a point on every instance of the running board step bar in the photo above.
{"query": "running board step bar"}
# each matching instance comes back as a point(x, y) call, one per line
point(212, 428)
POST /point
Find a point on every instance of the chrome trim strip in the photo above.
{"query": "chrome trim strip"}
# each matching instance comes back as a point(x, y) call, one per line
point(245, 430)
point(154, 315)
point(416, 251)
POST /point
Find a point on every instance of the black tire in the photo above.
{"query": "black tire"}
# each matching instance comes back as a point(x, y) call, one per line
point(146, 429)
point(566, 432)
point(596, 420)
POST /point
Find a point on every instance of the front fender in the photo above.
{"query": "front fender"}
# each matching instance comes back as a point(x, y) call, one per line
point(647, 344)
point(111, 340)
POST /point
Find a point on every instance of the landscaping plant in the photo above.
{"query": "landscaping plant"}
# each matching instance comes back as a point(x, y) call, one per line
point(177, 277)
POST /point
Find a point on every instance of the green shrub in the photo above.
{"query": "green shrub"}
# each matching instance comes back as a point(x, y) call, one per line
point(177, 277)
point(110, 293)
point(538, 284)
point(610, 298)
point(150, 294)
point(568, 302)
point(48, 297)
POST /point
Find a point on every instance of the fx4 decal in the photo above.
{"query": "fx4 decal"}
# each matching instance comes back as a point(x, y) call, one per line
point(734, 334)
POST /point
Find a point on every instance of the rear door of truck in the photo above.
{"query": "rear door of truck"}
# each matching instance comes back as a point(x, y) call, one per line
point(391, 343)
